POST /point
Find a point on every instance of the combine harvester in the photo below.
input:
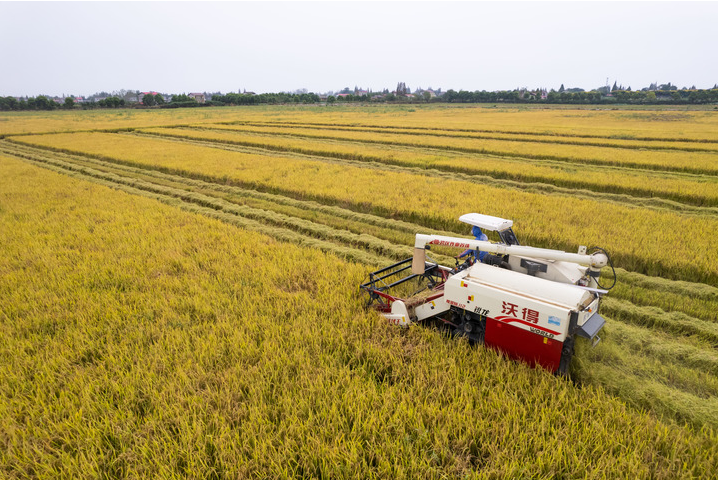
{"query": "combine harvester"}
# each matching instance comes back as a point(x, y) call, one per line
point(530, 303)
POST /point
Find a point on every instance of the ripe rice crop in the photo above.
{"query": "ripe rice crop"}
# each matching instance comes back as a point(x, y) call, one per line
point(628, 233)
point(639, 123)
point(141, 337)
point(703, 145)
point(139, 341)
point(692, 189)
point(63, 121)
point(694, 162)
point(629, 123)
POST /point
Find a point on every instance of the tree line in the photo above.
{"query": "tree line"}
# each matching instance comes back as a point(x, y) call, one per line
point(639, 97)
point(616, 95)
point(42, 102)
point(266, 98)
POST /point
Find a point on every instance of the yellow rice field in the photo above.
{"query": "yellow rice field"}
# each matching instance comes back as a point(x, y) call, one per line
point(626, 231)
point(180, 293)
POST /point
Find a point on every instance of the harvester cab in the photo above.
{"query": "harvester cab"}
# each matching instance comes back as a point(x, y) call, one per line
point(531, 303)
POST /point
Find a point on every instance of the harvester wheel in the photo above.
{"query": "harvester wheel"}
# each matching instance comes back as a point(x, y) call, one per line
point(465, 324)
point(472, 330)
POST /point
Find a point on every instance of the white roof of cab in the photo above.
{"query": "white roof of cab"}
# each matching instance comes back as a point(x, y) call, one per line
point(486, 222)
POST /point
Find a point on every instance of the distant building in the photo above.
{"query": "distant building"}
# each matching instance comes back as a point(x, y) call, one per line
point(199, 97)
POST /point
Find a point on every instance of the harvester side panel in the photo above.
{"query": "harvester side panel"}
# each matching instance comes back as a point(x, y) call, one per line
point(521, 344)
point(526, 317)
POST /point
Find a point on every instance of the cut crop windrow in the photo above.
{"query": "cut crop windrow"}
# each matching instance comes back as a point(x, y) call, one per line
point(665, 401)
point(654, 317)
point(660, 346)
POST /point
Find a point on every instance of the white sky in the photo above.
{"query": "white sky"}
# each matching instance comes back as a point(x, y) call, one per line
point(80, 48)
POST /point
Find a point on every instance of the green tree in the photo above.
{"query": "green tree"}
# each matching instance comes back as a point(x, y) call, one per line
point(9, 103)
point(41, 102)
point(69, 103)
point(149, 100)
